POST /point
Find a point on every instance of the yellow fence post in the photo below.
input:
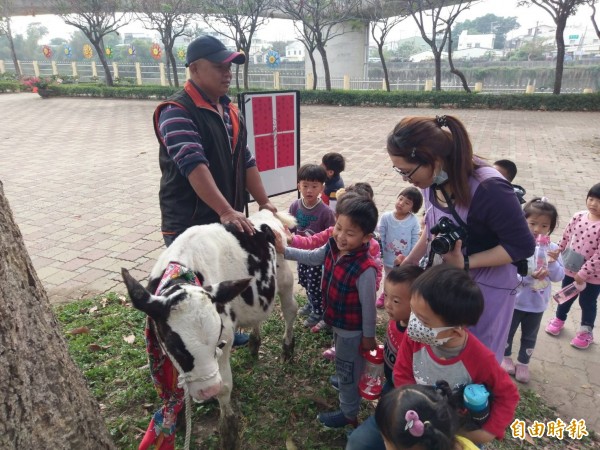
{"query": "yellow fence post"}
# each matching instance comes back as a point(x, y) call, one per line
point(36, 68)
point(20, 67)
point(276, 80)
point(310, 78)
point(346, 82)
point(478, 86)
point(54, 68)
point(429, 85)
point(163, 77)
point(94, 69)
point(115, 70)
point(138, 73)
point(74, 68)
point(588, 91)
point(2, 67)
point(187, 73)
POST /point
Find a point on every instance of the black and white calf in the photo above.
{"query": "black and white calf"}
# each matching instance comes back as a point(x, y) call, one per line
point(239, 275)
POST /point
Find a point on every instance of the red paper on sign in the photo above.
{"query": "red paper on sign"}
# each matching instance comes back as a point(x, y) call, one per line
point(262, 112)
point(285, 149)
point(265, 153)
point(285, 112)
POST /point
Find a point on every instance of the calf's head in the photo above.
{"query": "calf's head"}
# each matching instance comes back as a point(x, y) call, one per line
point(188, 322)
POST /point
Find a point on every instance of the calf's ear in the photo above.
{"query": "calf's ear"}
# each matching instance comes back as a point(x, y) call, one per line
point(142, 299)
point(226, 291)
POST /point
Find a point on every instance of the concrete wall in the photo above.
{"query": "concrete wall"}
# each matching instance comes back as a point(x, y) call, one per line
point(346, 53)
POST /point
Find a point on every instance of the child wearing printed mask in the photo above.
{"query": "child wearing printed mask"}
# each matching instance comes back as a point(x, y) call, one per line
point(438, 346)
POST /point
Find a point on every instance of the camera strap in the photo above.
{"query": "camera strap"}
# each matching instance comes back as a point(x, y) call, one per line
point(452, 209)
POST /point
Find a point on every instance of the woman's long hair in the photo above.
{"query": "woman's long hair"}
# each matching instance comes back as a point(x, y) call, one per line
point(422, 140)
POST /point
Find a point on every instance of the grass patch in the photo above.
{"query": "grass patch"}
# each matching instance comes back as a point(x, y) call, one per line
point(277, 402)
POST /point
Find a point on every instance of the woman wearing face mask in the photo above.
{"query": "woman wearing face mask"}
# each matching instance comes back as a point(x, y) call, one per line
point(444, 301)
point(480, 224)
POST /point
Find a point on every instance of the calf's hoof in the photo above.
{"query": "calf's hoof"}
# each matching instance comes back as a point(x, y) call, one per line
point(254, 345)
point(288, 350)
point(229, 432)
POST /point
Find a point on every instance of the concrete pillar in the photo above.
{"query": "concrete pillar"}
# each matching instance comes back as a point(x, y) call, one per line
point(115, 70)
point(74, 68)
point(530, 89)
point(54, 68)
point(20, 66)
point(276, 80)
point(310, 78)
point(346, 53)
point(2, 67)
point(163, 76)
point(138, 73)
point(383, 85)
point(346, 82)
point(36, 68)
point(478, 86)
point(94, 69)
point(429, 85)
point(588, 91)
point(187, 73)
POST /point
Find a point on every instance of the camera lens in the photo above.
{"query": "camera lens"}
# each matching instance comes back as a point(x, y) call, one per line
point(442, 245)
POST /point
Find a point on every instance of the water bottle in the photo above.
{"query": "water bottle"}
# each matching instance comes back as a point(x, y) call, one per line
point(371, 380)
point(568, 292)
point(475, 397)
point(541, 252)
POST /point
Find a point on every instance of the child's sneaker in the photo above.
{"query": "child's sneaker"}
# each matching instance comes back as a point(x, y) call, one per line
point(305, 310)
point(336, 419)
point(329, 354)
point(380, 303)
point(321, 326)
point(312, 320)
point(555, 326)
point(522, 373)
point(508, 365)
point(583, 339)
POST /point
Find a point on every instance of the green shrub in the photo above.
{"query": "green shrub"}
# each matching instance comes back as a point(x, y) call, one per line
point(10, 86)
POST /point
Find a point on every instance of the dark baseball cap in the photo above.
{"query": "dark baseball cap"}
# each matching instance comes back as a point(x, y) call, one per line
point(212, 49)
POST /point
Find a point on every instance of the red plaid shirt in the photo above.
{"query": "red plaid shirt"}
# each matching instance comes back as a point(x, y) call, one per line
point(340, 294)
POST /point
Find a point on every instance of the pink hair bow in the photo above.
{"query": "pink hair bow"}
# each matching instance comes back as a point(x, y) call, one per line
point(414, 426)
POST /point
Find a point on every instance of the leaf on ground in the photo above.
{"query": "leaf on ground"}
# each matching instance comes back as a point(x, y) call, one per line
point(94, 348)
point(80, 330)
point(129, 339)
point(289, 444)
point(529, 439)
point(102, 406)
point(93, 309)
point(123, 300)
point(104, 302)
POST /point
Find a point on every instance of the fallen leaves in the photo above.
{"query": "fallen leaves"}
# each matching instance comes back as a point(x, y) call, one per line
point(79, 330)
point(129, 339)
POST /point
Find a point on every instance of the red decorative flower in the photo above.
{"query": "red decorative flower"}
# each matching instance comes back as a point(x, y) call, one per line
point(156, 51)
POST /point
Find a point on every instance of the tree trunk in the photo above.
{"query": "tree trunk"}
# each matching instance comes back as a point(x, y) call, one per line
point(386, 76)
point(98, 46)
point(13, 53)
point(437, 55)
point(455, 71)
point(323, 54)
point(46, 402)
point(171, 56)
point(246, 72)
point(560, 54)
point(314, 68)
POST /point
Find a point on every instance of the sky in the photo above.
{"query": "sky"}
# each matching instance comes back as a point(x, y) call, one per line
point(281, 30)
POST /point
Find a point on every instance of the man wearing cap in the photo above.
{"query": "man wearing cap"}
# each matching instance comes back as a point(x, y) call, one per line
point(205, 163)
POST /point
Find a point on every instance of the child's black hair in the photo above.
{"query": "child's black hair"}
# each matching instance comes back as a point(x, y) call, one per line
point(402, 274)
point(334, 161)
point(312, 172)
point(414, 195)
point(594, 191)
point(541, 207)
point(509, 166)
point(429, 405)
point(360, 209)
point(451, 294)
point(362, 188)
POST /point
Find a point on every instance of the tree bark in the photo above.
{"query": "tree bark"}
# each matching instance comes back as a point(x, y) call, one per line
point(327, 73)
point(314, 68)
point(13, 53)
point(45, 400)
point(437, 57)
point(455, 71)
point(386, 75)
point(560, 54)
point(99, 46)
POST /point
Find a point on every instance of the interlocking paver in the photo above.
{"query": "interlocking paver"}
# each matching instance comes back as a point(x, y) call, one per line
point(88, 191)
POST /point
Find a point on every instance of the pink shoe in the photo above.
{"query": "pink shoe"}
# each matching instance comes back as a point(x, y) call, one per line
point(329, 354)
point(380, 301)
point(508, 365)
point(522, 373)
point(555, 326)
point(582, 340)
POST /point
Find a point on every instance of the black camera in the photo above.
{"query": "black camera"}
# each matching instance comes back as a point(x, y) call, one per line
point(447, 234)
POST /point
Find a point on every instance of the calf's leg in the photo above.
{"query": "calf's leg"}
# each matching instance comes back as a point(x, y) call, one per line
point(289, 307)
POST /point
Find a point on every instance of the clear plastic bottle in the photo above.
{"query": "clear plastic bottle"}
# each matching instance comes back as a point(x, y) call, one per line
point(568, 292)
point(541, 252)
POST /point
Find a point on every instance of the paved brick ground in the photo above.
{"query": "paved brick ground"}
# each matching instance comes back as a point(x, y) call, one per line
point(82, 180)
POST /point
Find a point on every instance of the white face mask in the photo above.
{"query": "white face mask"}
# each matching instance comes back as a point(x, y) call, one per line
point(425, 335)
point(440, 178)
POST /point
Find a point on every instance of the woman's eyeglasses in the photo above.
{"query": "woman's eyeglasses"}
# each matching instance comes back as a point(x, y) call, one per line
point(404, 174)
